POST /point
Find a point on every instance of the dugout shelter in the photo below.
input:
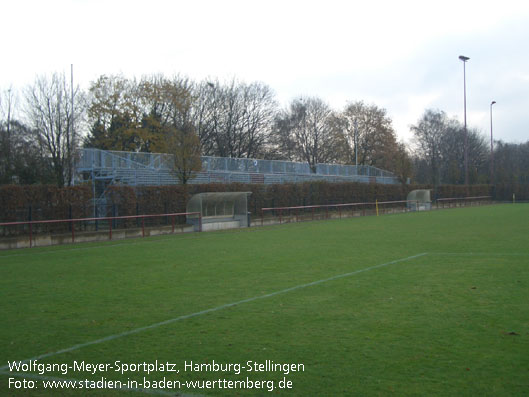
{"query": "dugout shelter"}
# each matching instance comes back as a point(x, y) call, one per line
point(419, 200)
point(220, 210)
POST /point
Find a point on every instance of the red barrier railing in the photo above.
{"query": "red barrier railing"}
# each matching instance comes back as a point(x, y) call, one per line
point(337, 207)
point(110, 220)
point(284, 211)
point(457, 200)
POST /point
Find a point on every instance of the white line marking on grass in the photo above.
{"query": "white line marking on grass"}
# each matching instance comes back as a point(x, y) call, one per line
point(65, 380)
point(214, 309)
point(500, 254)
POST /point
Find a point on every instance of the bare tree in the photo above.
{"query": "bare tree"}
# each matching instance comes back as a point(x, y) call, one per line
point(234, 119)
point(429, 133)
point(376, 139)
point(204, 116)
point(49, 111)
point(439, 144)
point(258, 115)
point(511, 163)
point(304, 132)
point(7, 107)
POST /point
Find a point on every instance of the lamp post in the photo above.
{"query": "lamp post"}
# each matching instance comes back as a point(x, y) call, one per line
point(465, 59)
point(491, 147)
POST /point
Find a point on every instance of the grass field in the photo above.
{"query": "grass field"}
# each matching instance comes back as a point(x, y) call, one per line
point(430, 303)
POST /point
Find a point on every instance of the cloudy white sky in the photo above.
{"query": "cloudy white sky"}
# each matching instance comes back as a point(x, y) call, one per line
point(399, 55)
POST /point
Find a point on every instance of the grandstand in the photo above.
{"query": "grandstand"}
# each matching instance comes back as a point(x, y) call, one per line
point(104, 168)
point(136, 169)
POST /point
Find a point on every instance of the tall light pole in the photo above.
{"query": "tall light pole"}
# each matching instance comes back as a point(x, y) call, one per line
point(465, 59)
point(72, 134)
point(491, 147)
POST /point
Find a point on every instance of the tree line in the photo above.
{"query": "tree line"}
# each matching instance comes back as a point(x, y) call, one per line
point(42, 126)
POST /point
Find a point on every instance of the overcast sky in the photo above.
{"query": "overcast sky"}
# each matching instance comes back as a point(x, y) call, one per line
point(399, 55)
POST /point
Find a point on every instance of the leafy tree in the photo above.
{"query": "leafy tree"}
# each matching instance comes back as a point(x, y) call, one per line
point(137, 115)
point(113, 113)
point(402, 163)
point(184, 145)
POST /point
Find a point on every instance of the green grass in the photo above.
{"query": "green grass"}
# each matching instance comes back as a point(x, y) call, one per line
point(454, 321)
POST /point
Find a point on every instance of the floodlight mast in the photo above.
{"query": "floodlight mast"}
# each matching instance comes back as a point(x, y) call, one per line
point(72, 132)
point(465, 59)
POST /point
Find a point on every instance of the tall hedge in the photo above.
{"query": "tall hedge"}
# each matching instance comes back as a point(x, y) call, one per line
point(41, 202)
point(19, 203)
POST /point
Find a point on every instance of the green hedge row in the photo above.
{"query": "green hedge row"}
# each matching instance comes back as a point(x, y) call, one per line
point(39, 202)
point(504, 192)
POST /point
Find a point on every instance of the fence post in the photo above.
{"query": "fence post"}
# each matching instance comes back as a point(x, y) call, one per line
point(70, 216)
point(200, 222)
point(30, 231)
point(143, 226)
point(113, 215)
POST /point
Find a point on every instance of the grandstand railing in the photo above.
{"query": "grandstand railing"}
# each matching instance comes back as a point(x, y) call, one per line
point(110, 220)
